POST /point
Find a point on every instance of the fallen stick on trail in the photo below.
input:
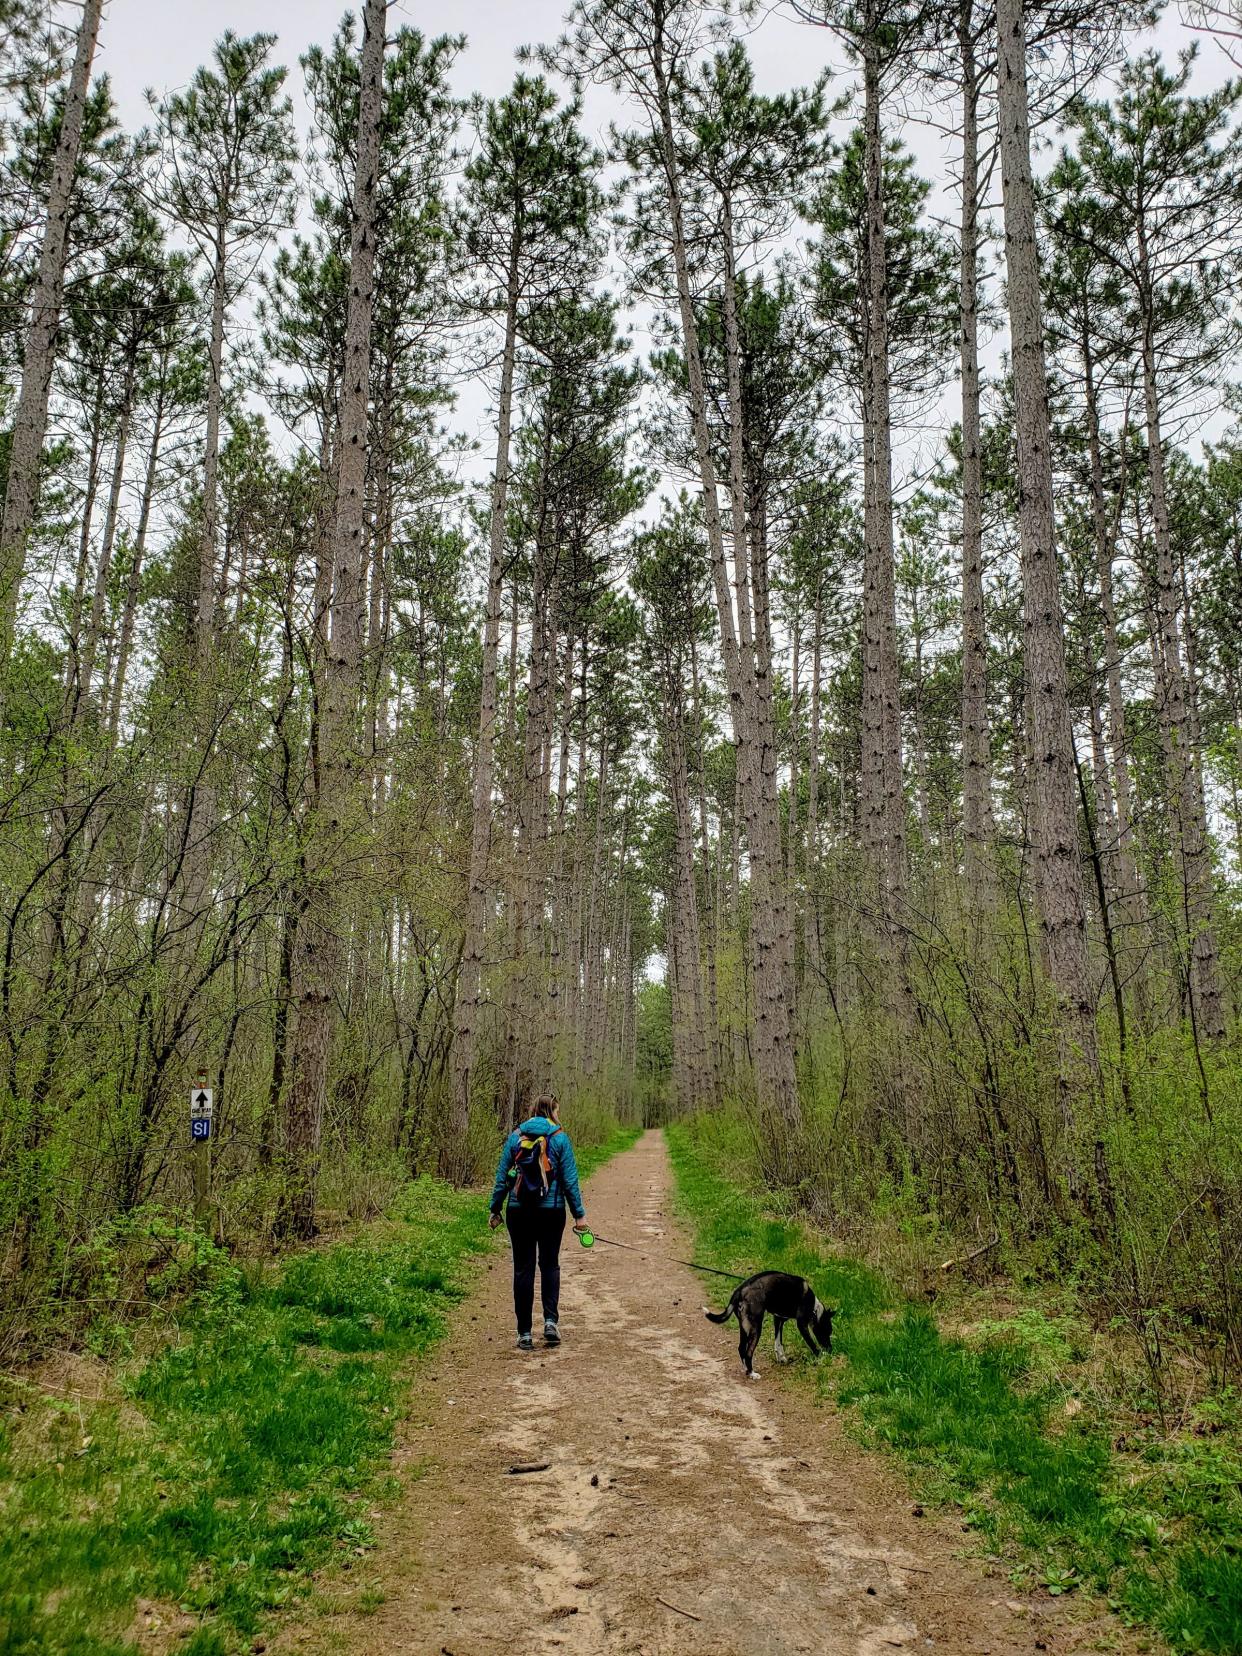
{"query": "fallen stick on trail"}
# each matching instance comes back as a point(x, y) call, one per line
point(678, 1609)
point(530, 1466)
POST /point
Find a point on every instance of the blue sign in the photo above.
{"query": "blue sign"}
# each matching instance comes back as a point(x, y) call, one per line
point(201, 1128)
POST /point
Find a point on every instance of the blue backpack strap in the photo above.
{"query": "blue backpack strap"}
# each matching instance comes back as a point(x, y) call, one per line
point(555, 1166)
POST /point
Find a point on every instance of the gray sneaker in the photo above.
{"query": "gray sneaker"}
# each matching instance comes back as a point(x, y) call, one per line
point(551, 1333)
point(525, 1342)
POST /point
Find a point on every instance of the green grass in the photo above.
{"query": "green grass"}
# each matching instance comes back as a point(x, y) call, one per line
point(1158, 1531)
point(242, 1451)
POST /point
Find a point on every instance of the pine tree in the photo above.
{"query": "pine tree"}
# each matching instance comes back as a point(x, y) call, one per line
point(719, 156)
point(571, 489)
point(672, 578)
point(1053, 783)
point(317, 960)
point(226, 149)
point(1156, 194)
point(38, 359)
point(978, 822)
point(529, 213)
point(892, 371)
point(1094, 351)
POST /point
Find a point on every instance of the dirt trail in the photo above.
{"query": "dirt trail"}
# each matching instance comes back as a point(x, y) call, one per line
point(671, 1477)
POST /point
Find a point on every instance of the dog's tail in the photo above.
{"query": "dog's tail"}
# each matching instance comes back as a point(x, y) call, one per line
point(723, 1316)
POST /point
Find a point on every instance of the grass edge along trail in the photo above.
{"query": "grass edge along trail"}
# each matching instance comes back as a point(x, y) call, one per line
point(245, 1448)
point(1159, 1536)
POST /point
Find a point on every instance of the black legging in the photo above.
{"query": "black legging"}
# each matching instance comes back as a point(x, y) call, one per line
point(535, 1230)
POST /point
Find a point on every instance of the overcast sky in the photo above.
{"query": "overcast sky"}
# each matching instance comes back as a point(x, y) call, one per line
point(159, 43)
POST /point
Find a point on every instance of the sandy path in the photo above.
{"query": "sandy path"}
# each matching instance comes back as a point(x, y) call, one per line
point(671, 1477)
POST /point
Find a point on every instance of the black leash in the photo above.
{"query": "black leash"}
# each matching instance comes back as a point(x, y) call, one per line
point(711, 1270)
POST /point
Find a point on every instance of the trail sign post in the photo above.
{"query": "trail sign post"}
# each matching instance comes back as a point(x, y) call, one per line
point(202, 1102)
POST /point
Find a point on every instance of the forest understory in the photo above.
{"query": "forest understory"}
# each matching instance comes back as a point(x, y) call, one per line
point(707, 584)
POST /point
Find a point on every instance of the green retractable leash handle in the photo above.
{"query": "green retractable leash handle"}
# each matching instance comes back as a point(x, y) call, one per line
point(589, 1239)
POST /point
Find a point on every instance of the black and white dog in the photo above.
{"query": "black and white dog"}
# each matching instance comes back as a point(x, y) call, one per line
point(787, 1298)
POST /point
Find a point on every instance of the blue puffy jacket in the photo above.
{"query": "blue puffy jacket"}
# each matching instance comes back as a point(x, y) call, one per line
point(564, 1182)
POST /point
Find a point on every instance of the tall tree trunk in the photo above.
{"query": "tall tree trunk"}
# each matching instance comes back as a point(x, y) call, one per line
point(103, 573)
point(575, 949)
point(741, 1022)
point(527, 1067)
point(814, 951)
point(318, 964)
point(792, 847)
point(769, 754)
point(204, 631)
point(1052, 779)
point(709, 909)
point(1120, 854)
point(30, 421)
point(754, 735)
point(588, 1034)
point(922, 784)
point(510, 791)
point(454, 1158)
point(528, 1060)
point(795, 760)
point(1185, 780)
point(557, 998)
point(978, 825)
point(1105, 537)
point(690, 1031)
point(202, 806)
point(133, 584)
point(884, 802)
point(73, 653)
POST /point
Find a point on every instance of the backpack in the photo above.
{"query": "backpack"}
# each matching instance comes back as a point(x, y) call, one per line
point(531, 1174)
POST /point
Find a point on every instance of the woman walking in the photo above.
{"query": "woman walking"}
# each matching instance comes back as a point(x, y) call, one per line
point(538, 1174)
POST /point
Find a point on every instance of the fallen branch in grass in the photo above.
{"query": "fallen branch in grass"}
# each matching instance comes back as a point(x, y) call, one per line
point(973, 1254)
